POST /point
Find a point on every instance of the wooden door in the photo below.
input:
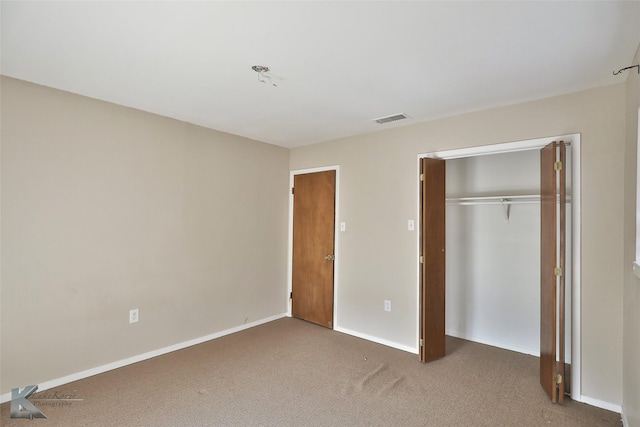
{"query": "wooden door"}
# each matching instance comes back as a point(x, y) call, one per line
point(432, 259)
point(552, 268)
point(313, 247)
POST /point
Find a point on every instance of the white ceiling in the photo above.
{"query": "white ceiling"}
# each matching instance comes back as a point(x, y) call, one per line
point(337, 65)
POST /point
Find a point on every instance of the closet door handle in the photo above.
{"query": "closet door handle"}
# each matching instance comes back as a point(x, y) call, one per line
point(330, 257)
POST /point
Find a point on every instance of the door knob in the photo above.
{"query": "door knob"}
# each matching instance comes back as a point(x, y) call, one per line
point(330, 257)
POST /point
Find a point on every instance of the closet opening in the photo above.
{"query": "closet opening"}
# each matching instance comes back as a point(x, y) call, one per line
point(493, 255)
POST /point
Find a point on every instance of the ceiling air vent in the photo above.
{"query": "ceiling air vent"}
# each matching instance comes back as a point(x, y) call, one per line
point(388, 119)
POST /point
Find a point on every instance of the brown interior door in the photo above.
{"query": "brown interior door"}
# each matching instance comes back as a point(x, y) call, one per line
point(552, 267)
point(432, 258)
point(313, 247)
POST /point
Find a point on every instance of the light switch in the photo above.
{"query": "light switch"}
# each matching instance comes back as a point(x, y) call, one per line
point(411, 225)
point(343, 226)
point(134, 315)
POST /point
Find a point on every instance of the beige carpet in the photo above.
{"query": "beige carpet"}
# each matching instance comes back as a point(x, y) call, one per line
point(292, 373)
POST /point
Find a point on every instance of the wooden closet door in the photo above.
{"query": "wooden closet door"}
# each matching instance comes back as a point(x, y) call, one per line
point(552, 268)
point(432, 258)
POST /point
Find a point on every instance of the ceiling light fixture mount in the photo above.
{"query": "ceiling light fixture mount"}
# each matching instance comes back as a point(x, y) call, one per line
point(263, 77)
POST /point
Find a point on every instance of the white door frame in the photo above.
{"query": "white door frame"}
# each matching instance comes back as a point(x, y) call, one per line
point(576, 285)
point(292, 175)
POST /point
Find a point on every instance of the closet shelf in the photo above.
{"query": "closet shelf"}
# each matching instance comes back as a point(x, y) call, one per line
point(497, 200)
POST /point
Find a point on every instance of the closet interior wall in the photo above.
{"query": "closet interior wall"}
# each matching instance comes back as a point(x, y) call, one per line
point(493, 251)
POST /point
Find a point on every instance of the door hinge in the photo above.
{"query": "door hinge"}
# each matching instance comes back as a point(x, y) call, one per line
point(558, 379)
point(557, 166)
point(291, 190)
point(557, 271)
point(290, 295)
point(421, 177)
point(421, 342)
point(421, 259)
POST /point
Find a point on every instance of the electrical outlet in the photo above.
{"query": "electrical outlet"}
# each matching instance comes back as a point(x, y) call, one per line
point(387, 305)
point(134, 315)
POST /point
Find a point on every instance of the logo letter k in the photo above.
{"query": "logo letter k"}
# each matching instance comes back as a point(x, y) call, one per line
point(21, 407)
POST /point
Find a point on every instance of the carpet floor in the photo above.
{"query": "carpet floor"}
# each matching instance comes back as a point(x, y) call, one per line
point(293, 373)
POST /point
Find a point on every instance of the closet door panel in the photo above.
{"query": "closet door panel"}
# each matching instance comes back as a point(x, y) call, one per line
point(432, 251)
point(552, 225)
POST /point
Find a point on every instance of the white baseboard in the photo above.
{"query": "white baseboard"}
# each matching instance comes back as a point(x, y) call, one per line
point(134, 359)
point(376, 340)
point(623, 417)
point(601, 404)
point(481, 340)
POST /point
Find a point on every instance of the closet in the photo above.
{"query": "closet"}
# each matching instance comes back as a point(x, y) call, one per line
point(493, 249)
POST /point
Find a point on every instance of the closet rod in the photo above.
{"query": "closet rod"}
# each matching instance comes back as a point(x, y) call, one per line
point(497, 200)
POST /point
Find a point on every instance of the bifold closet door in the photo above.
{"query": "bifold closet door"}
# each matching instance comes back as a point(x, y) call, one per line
point(432, 259)
point(552, 270)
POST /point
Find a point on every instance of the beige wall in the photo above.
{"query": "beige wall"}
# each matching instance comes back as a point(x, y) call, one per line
point(105, 209)
point(378, 194)
point(631, 404)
